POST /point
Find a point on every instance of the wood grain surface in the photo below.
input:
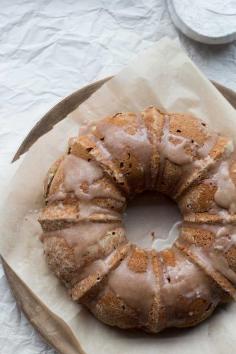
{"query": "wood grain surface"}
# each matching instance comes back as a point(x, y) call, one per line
point(51, 327)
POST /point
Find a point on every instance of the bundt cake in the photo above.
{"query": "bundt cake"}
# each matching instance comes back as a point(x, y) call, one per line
point(85, 243)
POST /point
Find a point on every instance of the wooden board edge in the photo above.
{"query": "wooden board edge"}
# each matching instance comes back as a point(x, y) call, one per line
point(42, 319)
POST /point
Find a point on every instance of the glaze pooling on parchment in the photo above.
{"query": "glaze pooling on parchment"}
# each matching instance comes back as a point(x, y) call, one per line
point(109, 163)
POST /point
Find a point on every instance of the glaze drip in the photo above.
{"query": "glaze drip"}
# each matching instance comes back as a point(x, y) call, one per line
point(136, 289)
point(79, 174)
point(83, 235)
point(211, 252)
point(177, 281)
point(208, 145)
point(173, 147)
point(87, 209)
point(225, 195)
point(136, 140)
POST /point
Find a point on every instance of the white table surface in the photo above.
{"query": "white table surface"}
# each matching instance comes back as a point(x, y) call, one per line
point(48, 50)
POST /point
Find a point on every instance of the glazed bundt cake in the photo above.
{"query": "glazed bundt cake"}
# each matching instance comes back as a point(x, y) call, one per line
point(85, 243)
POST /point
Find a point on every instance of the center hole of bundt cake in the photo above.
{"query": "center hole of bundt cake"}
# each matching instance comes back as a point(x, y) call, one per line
point(151, 220)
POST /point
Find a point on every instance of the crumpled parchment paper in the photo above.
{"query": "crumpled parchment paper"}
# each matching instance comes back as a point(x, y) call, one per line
point(50, 49)
point(162, 75)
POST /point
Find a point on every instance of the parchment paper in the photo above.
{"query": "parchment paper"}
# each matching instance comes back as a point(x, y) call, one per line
point(165, 76)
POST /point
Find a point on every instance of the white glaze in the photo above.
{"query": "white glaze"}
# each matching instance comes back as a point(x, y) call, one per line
point(87, 209)
point(160, 244)
point(220, 263)
point(136, 289)
point(84, 179)
point(225, 196)
point(83, 235)
point(136, 141)
point(224, 236)
point(203, 258)
point(210, 142)
point(229, 148)
point(213, 257)
point(78, 171)
point(99, 267)
point(103, 150)
point(58, 196)
point(185, 279)
point(207, 161)
point(173, 147)
point(224, 214)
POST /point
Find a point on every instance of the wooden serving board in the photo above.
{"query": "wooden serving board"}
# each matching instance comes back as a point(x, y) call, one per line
point(62, 339)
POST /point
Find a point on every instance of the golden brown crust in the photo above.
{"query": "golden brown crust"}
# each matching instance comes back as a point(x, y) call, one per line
point(190, 128)
point(113, 311)
point(61, 260)
point(216, 154)
point(138, 260)
point(50, 175)
point(154, 121)
point(230, 256)
point(83, 286)
point(198, 236)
